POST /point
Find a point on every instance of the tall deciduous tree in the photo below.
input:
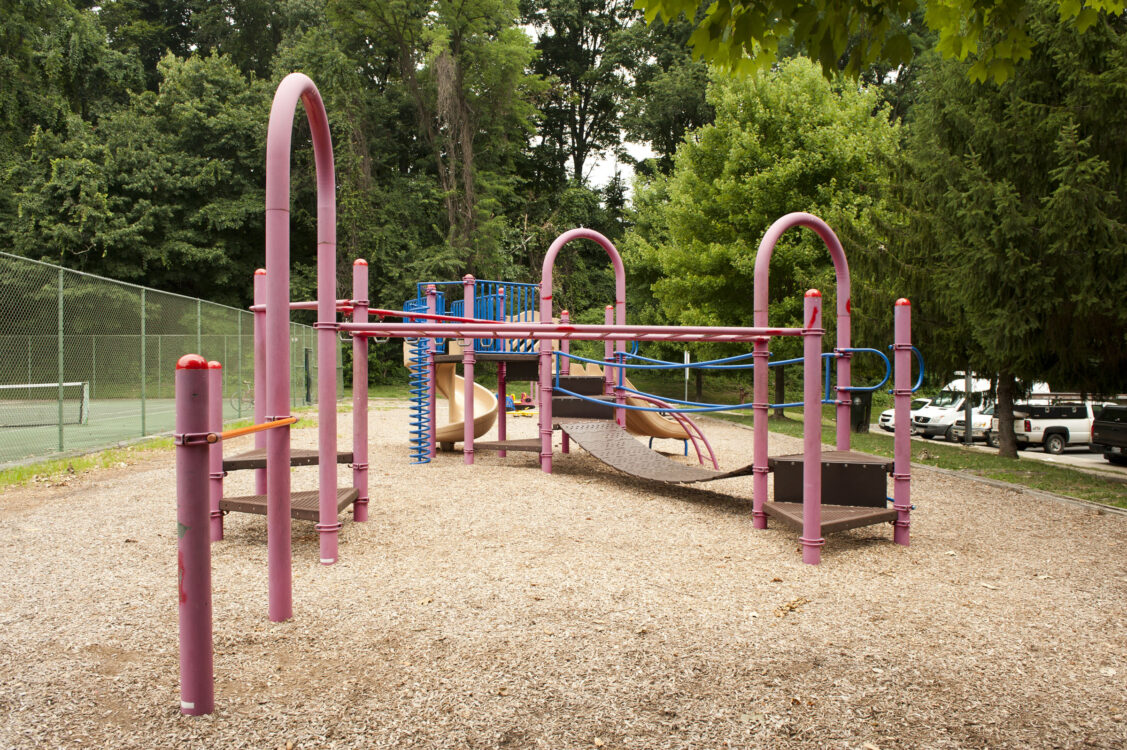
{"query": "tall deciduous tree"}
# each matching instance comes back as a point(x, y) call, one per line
point(782, 141)
point(583, 53)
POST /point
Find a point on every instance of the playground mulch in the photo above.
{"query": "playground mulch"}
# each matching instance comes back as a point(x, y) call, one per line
point(495, 606)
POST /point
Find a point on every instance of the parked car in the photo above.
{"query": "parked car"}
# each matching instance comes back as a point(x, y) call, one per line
point(1054, 426)
point(888, 416)
point(1109, 434)
point(981, 421)
point(937, 419)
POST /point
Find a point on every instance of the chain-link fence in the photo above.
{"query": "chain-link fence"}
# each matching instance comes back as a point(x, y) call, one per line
point(87, 362)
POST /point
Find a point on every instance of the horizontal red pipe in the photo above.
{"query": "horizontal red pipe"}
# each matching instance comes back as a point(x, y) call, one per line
point(571, 332)
point(341, 304)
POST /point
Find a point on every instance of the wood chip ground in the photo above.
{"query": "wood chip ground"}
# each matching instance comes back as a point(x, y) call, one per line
point(495, 606)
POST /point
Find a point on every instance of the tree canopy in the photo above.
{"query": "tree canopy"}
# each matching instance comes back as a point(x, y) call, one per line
point(746, 35)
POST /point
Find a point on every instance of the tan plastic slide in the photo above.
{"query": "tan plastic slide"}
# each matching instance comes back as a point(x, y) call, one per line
point(644, 423)
point(452, 387)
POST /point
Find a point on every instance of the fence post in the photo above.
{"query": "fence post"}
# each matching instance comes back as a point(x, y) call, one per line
point(239, 384)
point(215, 450)
point(197, 681)
point(199, 325)
point(60, 355)
point(143, 378)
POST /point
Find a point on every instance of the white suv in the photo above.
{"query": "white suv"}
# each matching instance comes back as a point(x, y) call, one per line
point(1055, 426)
point(888, 416)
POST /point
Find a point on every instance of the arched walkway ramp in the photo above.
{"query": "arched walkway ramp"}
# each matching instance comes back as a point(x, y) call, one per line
point(619, 449)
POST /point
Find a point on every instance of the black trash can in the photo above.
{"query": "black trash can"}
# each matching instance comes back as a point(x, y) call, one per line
point(860, 410)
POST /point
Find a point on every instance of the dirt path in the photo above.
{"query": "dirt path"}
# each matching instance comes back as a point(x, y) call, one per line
point(495, 606)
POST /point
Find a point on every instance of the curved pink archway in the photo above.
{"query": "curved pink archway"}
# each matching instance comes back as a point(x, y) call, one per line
point(762, 272)
point(546, 317)
point(297, 87)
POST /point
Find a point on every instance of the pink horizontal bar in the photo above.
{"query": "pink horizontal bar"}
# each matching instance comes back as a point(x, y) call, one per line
point(570, 332)
point(341, 304)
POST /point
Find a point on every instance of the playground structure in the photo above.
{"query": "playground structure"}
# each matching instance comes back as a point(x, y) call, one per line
point(522, 340)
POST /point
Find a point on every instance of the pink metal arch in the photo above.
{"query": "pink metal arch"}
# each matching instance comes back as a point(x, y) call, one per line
point(298, 87)
point(844, 303)
point(761, 296)
point(546, 317)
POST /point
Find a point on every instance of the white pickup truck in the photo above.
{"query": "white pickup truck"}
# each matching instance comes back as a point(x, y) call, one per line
point(1054, 426)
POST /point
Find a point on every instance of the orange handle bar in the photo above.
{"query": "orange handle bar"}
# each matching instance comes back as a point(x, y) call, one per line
point(240, 431)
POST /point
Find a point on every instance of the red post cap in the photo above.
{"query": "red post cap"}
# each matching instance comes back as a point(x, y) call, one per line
point(468, 278)
point(191, 362)
point(260, 272)
point(564, 312)
point(431, 288)
point(903, 302)
point(813, 293)
point(359, 262)
point(214, 365)
point(610, 307)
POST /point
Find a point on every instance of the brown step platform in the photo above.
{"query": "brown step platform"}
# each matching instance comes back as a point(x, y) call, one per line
point(849, 478)
point(256, 459)
point(531, 445)
point(834, 517)
point(303, 505)
point(518, 366)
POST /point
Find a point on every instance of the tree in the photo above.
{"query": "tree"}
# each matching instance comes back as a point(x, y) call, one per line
point(782, 141)
point(1018, 238)
point(167, 191)
point(745, 35)
point(583, 55)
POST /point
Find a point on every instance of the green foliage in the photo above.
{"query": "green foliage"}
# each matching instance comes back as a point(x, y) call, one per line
point(1017, 235)
point(745, 36)
point(170, 183)
point(782, 141)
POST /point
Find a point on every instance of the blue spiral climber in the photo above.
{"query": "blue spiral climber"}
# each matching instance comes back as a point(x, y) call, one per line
point(420, 403)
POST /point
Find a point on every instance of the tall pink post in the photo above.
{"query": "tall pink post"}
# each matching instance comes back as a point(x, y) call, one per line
point(902, 449)
point(297, 87)
point(608, 353)
point(761, 357)
point(502, 413)
point(811, 538)
point(360, 392)
point(468, 360)
point(546, 317)
point(197, 682)
point(565, 369)
point(432, 376)
point(259, 372)
point(215, 450)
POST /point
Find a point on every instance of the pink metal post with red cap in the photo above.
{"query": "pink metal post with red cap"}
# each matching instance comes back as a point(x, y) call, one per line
point(811, 538)
point(197, 683)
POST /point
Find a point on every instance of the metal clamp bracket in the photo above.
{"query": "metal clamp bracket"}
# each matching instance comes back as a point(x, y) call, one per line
point(326, 325)
point(194, 438)
point(328, 527)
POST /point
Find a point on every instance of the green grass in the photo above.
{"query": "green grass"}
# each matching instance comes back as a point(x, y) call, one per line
point(55, 468)
point(1037, 475)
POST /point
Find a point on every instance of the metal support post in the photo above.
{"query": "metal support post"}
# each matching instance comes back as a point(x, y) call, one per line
point(468, 360)
point(197, 681)
point(902, 445)
point(360, 392)
point(811, 538)
point(215, 450)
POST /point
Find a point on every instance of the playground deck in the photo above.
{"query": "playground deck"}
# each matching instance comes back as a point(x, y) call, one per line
point(303, 505)
point(256, 459)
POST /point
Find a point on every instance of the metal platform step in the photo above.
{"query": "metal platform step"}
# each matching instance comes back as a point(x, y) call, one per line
point(531, 445)
point(834, 517)
point(303, 505)
point(572, 407)
point(256, 459)
point(588, 385)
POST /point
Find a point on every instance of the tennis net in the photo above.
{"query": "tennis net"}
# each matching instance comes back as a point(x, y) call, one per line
point(44, 404)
